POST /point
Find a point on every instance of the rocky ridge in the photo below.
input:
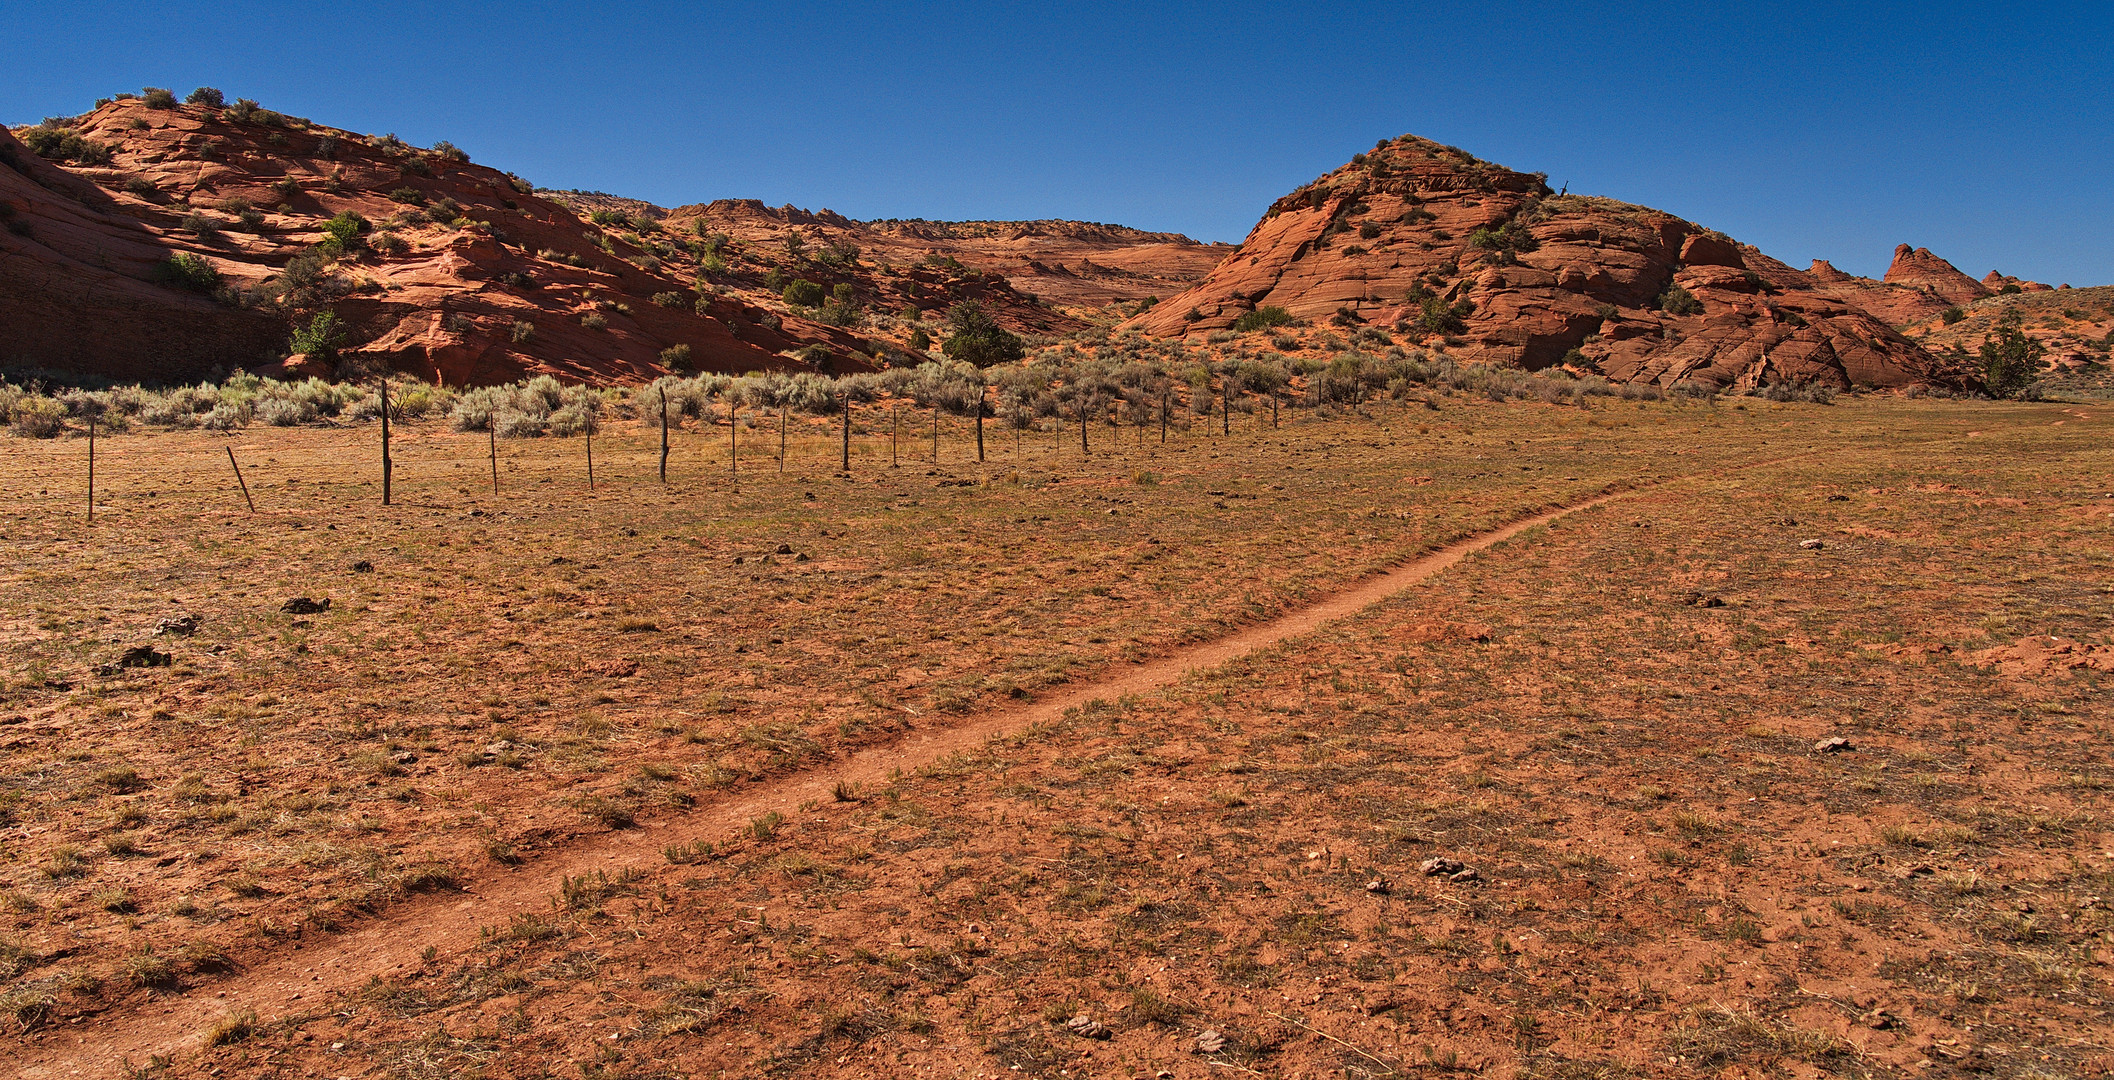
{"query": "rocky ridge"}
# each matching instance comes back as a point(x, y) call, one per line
point(454, 271)
point(1489, 265)
point(1067, 263)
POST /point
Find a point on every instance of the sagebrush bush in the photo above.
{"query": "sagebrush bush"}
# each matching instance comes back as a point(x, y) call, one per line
point(225, 417)
point(37, 417)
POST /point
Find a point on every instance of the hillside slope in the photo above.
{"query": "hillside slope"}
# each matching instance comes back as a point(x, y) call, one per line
point(1487, 263)
point(452, 271)
point(1073, 263)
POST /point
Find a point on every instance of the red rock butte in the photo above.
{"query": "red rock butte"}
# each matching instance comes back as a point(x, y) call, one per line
point(1433, 243)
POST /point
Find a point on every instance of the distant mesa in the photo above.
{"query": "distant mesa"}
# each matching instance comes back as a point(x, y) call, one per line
point(1429, 243)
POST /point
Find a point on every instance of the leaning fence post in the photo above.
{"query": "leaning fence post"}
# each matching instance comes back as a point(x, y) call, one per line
point(664, 434)
point(979, 425)
point(491, 432)
point(239, 480)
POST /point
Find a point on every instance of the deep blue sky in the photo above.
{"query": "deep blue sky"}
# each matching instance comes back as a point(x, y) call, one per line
point(1983, 131)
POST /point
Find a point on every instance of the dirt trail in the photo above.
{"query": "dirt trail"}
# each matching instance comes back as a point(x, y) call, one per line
point(302, 975)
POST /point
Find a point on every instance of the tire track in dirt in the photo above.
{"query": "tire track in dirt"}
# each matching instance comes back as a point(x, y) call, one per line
point(302, 976)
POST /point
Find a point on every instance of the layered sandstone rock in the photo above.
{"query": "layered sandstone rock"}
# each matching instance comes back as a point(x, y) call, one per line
point(1079, 263)
point(77, 289)
point(464, 274)
point(1918, 269)
point(1487, 264)
point(1895, 304)
point(1995, 282)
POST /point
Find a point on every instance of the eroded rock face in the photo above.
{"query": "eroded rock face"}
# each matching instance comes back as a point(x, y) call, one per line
point(76, 288)
point(1063, 262)
point(1924, 272)
point(1486, 262)
point(463, 277)
point(464, 274)
point(1996, 281)
point(1895, 304)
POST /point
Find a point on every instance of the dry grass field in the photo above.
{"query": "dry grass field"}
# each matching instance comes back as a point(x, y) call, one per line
point(1611, 720)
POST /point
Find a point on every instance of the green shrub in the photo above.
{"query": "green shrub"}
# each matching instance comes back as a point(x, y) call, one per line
point(840, 313)
point(2010, 359)
point(450, 152)
point(1952, 314)
point(2010, 290)
point(1368, 231)
point(200, 225)
point(206, 95)
point(676, 358)
point(187, 271)
point(56, 143)
point(803, 293)
point(1265, 317)
point(670, 300)
point(976, 338)
point(320, 338)
point(593, 320)
point(345, 231)
point(1679, 301)
point(1439, 317)
point(158, 98)
point(920, 340)
point(839, 253)
point(409, 195)
point(1504, 243)
point(246, 111)
point(390, 244)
